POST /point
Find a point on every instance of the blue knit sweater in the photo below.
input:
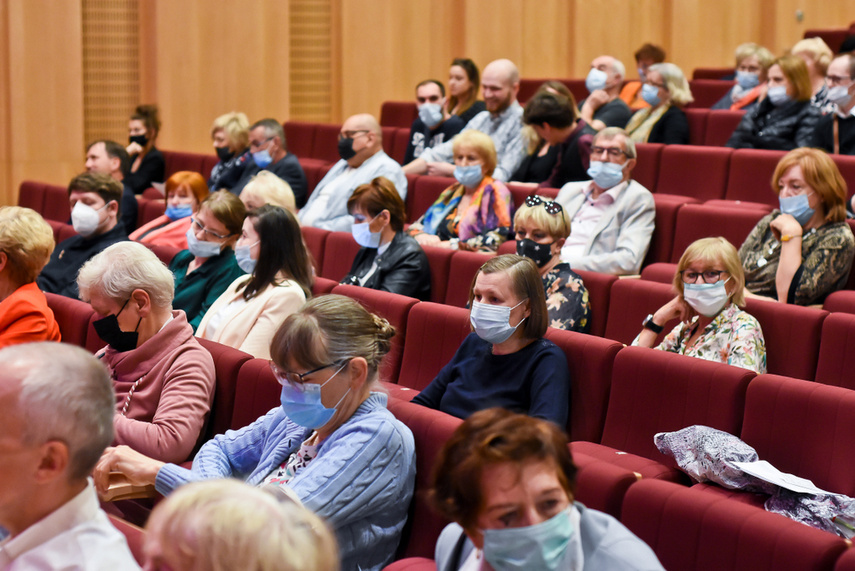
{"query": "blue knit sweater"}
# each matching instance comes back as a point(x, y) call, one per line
point(361, 481)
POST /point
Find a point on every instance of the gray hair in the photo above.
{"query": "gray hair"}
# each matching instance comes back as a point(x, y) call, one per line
point(618, 67)
point(612, 132)
point(272, 128)
point(67, 397)
point(123, 267)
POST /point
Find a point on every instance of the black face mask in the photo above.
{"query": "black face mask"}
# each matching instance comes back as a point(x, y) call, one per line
point(141, 140)
point(224, 154)
point(108, 329)
point(345, 149)
point(539, 253)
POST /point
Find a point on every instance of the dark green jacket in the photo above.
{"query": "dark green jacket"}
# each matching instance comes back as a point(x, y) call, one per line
point(196, 292)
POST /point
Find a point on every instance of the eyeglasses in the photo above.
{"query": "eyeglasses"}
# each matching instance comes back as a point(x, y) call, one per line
point(296, 380)
point(351, 134)
point(255, 145)
point(709, 276)
point(551, 206)
point(613, 152)
point(199, 226)
point(838, 80)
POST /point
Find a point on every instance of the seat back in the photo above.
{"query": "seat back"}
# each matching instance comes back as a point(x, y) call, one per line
point(180, 161)
point(434, 333)
point(681, 163)
point(398, 113)
point(315, 240)
point(400, 144)
point(706, 92)
point(697, 119)
point(227, 364)
point(134, 535)
point(662, 240)
point(256, 392)
point(833, 37)
point(339, 251)
point(150, 210)
point(464, 266)
point(163, 253)
point(712, 72)
point(72, 316)
point(325, 146)
point(646, 171)
point(720, 126)
point(792, 334)
point(439, 260)
point(300, 137)
point(630, 301)
point(56, 205)
point(599, 288)
point(31, 194)
point(322, 286)
point(840, 301)
point(696, 221)
point(424, 193)
point(836, 361)
point(750, 176)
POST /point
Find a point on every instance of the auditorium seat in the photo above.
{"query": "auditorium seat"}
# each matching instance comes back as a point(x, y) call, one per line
point(696, 221)
point(152, 193)
point(227, 364)
point(31, 194)
point(712, 72)
point(680, 165)
point(322, 286)
point(300, 137)
point(631, 300)
point(150, 210)
point(256, 392)
point(519, 193)
point(528, 87)
point(836, 362)
point(163, 253)
point(599, 288)
point(400, 144)
point(314, 169)
point(61, 230)
point(693, 530)
point(134, 535)
point(843, 300)
point(464, 266)
point(325, 146)
point(339, 251)
point(720, 126)
point(439, 260)
point(412, 564)
point(208, 164)
point(661, 272)
point(706, 92)
point(833, 37)
point(424, 193)
point(697, 119)
point(602, 486)
point(398, 113)
point(845, 562)
point(750, 177)
point(72, 316)
point(792, 335)
point(56, 205)
point(176, 161)
point(315, 240)
point(389, 140)
point(667, 211)
point(646, 171)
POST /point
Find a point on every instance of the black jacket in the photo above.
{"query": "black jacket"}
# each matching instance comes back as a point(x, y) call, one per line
point(780, 128)
point(403, 268)
point(671, 129)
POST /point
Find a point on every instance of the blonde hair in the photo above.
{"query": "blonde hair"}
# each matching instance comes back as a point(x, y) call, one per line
point(556, 225)
point(270, 189)
point(236, 127)
point(714, 250)
point(821, 174)
point(27, 240)
point(795, 70)
point(124, 267)
point(749, 49)
point(227, 525)
point(817, 50)
point(675, 82)
point(483, 145)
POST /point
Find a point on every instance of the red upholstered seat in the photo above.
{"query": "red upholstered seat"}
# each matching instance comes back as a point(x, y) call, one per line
point(208, 163)
point(750, 177)
point(164, 253)
point(134, 535)
point(322, 286)
point(697, 119)
point(630, 302)
point(152, 194)
point(339, 251)
point(72, 316)
point(150, 210)
point(398, 113)
point(227, 364)
point(833, 37)
point(315, 169)
point(662, 240)
point(706, 92)
point(31, 194)
point(412, 215)
point(399, 144)
point(61, 230)
point(646, 171)
point(424, 193)
point(696, 221)
point(712, 72)
point(412, 564)
point(325, 146)
point(56, 203)
point(690, 529)
point(720, 126)
point(256, 392)
point(464, 266)
point(300, 137)
point(528, 87)
point(439, 260)
point(681, 164)
point(843, 300)
point(602, 486)
point(836, 362)
point(180, 161)
point(845, 562)
point(661, 272)
point(792, 335)
point(599, 288)
point(315, 240)
point(388, 139)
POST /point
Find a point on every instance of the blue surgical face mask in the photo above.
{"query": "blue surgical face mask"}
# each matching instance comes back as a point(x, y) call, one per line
point(605, 175)
point(178, 212)
point(262, 158)
point(492, 322)
point(304, 405)
point(798, 207)
point(641, 75)
point(650, 94)
point(747, 79)
point(839, 95)
point(430, 114)
point(469, 176)
point(706, 299)
point(243, 256)
point(201, 249)
point(777, 95)
point(364, 236)
point(542, 546)
point(596, 80)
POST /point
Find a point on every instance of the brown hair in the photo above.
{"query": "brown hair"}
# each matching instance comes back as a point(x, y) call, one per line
point(821, 174)
point(101, 184)
point(150, 117)
point(189, 179)
point(795, 70)
point(474, 77)
point(227, 208)
point(651, 52)
point(376, 196)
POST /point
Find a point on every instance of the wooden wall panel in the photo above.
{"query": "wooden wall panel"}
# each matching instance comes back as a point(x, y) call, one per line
point(816, 14)
point(720, 26)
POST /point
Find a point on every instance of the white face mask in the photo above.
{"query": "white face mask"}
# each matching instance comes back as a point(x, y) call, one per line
point(706, 299)
point(492, 322)
point(85, 219)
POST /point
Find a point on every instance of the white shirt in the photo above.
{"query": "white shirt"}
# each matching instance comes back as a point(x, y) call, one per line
point(77, 536)
point(586, 219)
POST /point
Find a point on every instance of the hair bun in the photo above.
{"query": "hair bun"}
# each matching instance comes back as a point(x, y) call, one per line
point(385, 333)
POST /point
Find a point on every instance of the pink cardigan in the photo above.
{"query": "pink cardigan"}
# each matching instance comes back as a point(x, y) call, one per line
point(167, 409)
point(173, 234)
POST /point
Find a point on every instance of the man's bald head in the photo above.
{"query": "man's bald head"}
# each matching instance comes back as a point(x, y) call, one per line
point(366, 134)
point(500, 83)
point(505, 68)
point(364, 121)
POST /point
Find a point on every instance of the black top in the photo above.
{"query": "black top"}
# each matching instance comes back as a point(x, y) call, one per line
point(288, 169)
point(781, 128)
point(824, 135)
point(536, 168)
point(422, 137)
point(615, 113)
point(152, 169)
point(574, 157)
point(227, 174)
point(671, 129)
point(403, 268)
point(476, 108)
point(129, 209)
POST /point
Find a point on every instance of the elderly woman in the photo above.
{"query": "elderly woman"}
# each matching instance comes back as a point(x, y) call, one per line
point(541, 227)
point(332, 442)
point(164, 379)
point(389, 259)
point(253, 307)
point(464, 82)
point(230, 136)
point(185, 191)
point(267, 188)
point(816, 55)
point(506, 361)
point(666, 91)
point(507, 481)
point(26, 243)
point(752, 63)
point(784, 119)
point(147, 164)
point(186, 531)
point(206, 268)
point(802, 252)
point(710, 284)
point(475, 212)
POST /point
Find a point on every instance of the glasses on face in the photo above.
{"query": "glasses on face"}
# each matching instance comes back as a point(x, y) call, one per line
point(659, 85)
point(551, 206)
point(296, 380)
point(833, 80)
point(709, 276)
point(613, 152)
point(254, 145)
point(199, 227)
point(351, 134)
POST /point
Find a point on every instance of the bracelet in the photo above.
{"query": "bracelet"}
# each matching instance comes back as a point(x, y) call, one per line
point(788, 237)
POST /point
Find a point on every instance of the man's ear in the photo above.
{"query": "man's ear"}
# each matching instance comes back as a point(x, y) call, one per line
point(53, 463)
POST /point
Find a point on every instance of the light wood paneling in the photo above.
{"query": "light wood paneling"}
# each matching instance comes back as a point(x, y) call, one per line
point(817, 14)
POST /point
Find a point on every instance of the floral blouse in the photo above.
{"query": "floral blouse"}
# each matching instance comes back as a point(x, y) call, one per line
point(827, 254)
point(734, 337)
point(566, 299)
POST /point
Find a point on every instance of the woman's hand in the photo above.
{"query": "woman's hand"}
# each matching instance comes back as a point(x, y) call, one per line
point(440, 169)
point(785, 224)
point(134, 149)
point(677, 308)
point(137, 468)
point(428, 239)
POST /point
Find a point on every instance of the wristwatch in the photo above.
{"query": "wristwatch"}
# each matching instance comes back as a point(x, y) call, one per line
point(648, 324)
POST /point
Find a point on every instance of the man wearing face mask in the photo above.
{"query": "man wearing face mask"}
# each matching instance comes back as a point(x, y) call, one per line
point(603, 107)
point(94, 199)
point(268, 151)
point(434, 125)
point(360, 145)
point(612, 215)
point(109, 157)
point(835, 132)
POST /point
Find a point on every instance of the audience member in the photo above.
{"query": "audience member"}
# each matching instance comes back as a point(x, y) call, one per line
point(802, 252)
point(464, 82)
point(501, 121)
point(604, 107)
point(710, 284)
point(784, 119)
point(752, 64)
point(613, 216)
point(109, 157)
point(226, 525)
point(185, 191)
point(388, 259)
point(435, 124)
point(816, 55)
point(360, 145)
point(835, 132)
point(55, 420)
point(541, 227)
point(647, 55)
point(268, 152)
point(507, 481)
point(147, 164)
point(541, 157)
point(230, 136)
point(206, 268)
point(249, 312)
point(506, 362)
point(94, 199)
point(475, 212)
point(667, 91)
point(267, 188)
point(164, 380)
point(26, 242)
point(332, 442)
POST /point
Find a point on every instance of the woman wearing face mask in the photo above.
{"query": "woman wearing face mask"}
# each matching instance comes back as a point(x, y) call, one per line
point(752, 63)
point(507, 481)
point(163, 378)
point(230, 136)
point(802, 252)
point(541, 227)
point(506, 361)
point(475, 212)
point(464, 83)
point(710, 284)
point(185, 191)
point(666, 91)
point(147, 164)
point(784, 119)
point(248, 313)
point(389, 259)
point(206, 268)
point(332, 442)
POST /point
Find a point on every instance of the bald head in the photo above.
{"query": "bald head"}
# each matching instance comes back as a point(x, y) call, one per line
point(364, 121)
point(500, 83)
point(367, 137)
point(505, 69)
